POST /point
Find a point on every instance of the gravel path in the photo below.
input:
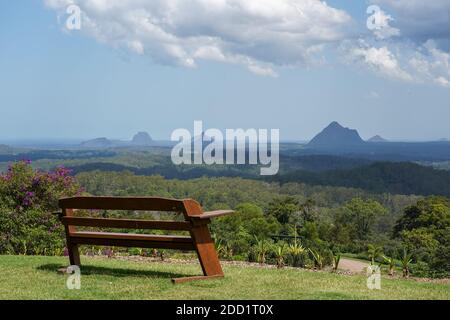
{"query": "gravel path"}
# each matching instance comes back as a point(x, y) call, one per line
point(353, 266)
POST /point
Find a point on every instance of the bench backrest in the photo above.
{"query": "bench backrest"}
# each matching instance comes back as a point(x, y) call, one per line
point(188, 207)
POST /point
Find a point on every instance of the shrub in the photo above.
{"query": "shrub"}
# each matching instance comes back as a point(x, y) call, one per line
point(318, 258)
point(336, 260)
point(420, 269)
point(27, 198)
point(262, 248)
point(374, 252)
point(296, 252)
point(406, 260)
point(280, 253)
point(391, 264)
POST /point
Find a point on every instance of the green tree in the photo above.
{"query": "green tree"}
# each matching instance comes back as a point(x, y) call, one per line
point(239, 229)
point(421, 242)
point(430, 213)
point(424, 229)
point(283, 208)
point(308, 210)
point(360, 216)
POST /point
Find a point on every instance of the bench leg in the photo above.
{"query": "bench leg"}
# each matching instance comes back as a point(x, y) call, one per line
point(207, 255)
point(206, 252)
point(74, 254)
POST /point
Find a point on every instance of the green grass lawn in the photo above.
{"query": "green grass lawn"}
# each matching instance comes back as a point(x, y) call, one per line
point(35, 277)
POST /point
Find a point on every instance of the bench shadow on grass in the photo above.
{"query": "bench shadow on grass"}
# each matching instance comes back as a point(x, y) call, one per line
point(116, 272)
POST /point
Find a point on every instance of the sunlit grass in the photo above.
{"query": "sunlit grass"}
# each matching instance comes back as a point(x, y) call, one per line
point(26, 277)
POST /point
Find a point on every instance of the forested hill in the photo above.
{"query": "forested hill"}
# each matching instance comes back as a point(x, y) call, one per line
point(380, 177)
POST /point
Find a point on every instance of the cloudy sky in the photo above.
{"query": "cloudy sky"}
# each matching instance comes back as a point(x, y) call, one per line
point(381, 66)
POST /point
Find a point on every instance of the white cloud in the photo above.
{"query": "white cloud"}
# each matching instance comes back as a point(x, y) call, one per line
point(431, 64)
point(440, 59)
point(259, 34)
point(407, 62)
point(420, 50)
point(420, 19)
point(382, 60)
point(409, 45)
point(262, 71)
point(442, 82)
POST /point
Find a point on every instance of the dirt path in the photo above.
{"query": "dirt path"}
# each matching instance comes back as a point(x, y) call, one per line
point(353, 266)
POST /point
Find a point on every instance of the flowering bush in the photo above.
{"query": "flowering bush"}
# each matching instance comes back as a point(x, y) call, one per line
point(27, 199)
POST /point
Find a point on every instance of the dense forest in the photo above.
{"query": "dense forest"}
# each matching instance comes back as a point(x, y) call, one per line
point(326, 219)
point(391, 177)
point(379, 177)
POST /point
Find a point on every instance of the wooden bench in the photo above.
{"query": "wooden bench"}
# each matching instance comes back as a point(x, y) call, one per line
point(195, 221)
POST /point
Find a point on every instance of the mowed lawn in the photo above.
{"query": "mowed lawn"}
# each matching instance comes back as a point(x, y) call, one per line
point(35, 277)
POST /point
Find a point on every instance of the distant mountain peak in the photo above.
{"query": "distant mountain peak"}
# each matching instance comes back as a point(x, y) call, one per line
point(142, 139)
point(335, 136)
point(377, 138)
point(97, 143)
point(335, 124)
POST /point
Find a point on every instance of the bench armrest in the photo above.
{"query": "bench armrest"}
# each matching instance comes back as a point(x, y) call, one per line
point(212, 214)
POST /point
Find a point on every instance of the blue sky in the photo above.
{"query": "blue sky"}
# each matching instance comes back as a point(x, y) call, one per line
point(95, 82)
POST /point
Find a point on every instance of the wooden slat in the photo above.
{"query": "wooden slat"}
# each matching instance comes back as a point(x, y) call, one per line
point(212, 214)
point(130, 236)
point(134, 243)
point(127, 223)
point(123, 203)
point(132, 240)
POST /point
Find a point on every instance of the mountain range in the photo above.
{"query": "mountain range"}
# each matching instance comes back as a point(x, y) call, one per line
point(140, 139)
point(335, 140)
point(338, 140)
